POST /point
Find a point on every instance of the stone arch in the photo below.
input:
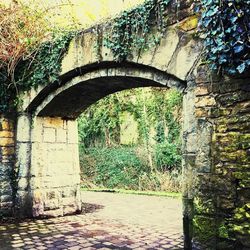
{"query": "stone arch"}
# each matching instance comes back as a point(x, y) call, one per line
point(48, 122)
point(84, 90)
point(49, 184)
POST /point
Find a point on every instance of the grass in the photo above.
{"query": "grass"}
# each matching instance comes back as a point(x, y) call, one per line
point(124, 191)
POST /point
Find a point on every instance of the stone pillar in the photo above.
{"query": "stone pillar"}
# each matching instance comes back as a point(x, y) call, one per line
point(55, 170)
point(7, 160)
point(23, 199)
point(188, 163)
point(221, 203)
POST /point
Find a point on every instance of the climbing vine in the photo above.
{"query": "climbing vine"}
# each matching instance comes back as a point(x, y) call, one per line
point(134, 29)
point(225, 26)
point(41, 67)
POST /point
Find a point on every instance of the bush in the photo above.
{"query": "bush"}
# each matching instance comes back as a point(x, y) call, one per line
point(114, 167)
point(167, 156)
point(126, 168)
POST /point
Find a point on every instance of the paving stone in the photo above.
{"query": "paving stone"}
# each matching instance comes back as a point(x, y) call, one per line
point(97, 230)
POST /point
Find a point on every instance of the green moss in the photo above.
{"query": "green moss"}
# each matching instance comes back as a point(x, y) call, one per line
point(242, 220)
point(203, 206)
point(223, 231)
point(204, 229)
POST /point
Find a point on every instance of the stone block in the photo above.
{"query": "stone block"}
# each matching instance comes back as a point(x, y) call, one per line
point(23, 183)
point(5, 142)
point(229, 99)
point(201, 90)
point(189, 119)
point(6, 124)
point(72, 132)
point(6, 134)
point(191, 142)
point(162, 56)
point(23, 158)
point(51, 204)
point(6, 206)
point(52, 213)
point(190, 23)
point(70, 209)
point(61, 135)
point(205, 75)
point(205, 101)
point(50, 122)
point(23, 128)
point(185, 59)
point(7, 150)
point(49, 134)
point(7, 198)
point(70, 59)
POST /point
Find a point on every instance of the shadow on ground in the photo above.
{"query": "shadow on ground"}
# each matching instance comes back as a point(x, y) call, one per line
point(90, 230)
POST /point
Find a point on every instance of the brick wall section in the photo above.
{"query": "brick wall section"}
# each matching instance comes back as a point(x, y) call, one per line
point(222, 201)
point(7, 157)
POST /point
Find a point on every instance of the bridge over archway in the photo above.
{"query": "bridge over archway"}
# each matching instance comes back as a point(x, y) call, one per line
point(215, 132)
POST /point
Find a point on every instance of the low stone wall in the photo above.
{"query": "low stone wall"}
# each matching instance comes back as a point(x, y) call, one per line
point(7, 160)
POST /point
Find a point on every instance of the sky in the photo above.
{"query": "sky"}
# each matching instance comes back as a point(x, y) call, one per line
point(84, 12)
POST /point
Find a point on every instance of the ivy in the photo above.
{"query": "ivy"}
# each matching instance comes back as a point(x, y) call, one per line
point(225, 26)
point(134, 29)
point(43, 67)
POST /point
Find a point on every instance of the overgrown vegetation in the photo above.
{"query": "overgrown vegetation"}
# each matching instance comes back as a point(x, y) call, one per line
point(133, 29)
point(153, 162)
point(31, 51)
point(225, 26)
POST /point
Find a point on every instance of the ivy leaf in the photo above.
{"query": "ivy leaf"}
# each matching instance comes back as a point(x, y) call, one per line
point(241, 68)
point(238, 49)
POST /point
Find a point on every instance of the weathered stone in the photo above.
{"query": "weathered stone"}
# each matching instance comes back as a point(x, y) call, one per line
point(49, 134)
point(162, 56)
point(201, 90)
point(205, 75)
point(205, 101)
point(23, 128)
point(185, 60)
point(189, 23)
point(5, 142)
point(230, 99)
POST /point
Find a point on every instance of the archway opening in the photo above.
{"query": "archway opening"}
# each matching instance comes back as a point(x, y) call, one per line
point(130, 160)
point(144, 123)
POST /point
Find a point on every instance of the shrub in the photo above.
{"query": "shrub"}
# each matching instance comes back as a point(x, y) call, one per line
point(114, 167)
point(167, 156)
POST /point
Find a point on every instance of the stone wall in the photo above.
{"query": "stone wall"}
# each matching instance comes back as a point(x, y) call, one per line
point(7, 160)
point(222, 189)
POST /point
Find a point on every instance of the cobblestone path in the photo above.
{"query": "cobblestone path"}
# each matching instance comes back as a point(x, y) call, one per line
point(111, 221)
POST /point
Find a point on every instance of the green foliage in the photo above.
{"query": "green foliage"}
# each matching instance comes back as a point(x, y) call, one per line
point(167, 156)
point(134, 29)
point(123, 168)
point(152, 163)
point(42, 68)
point(225, 25)
point(46, 64)
point(114, 167)
point(100, 124)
